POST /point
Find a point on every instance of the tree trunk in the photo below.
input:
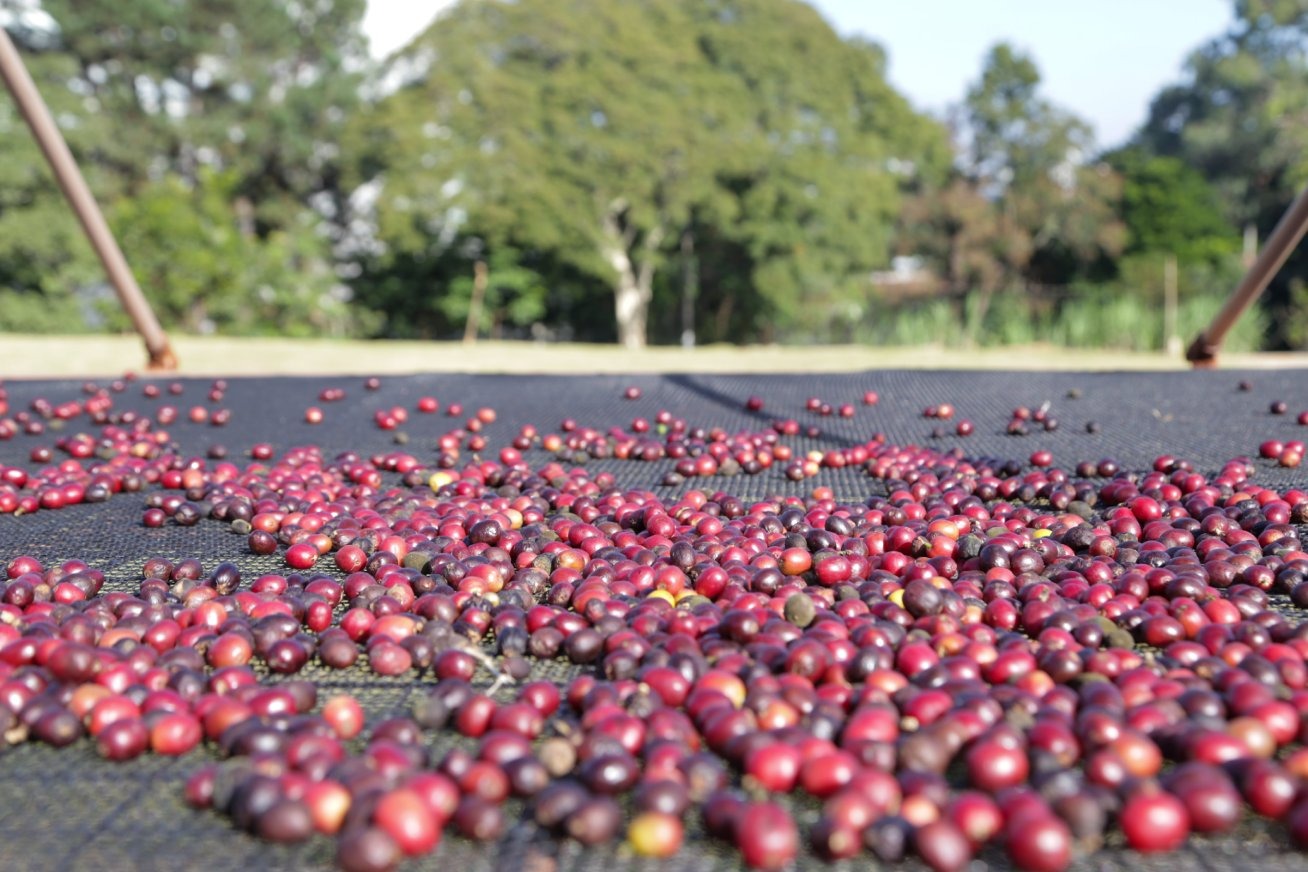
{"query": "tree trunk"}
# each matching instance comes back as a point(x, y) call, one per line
point(974, 320)
point(471, 326)
point(633, 284)
point(245, 217)
point(630, 303)
point(196, 315)
point(689, 289)
point(723, 321)
point(955, 267)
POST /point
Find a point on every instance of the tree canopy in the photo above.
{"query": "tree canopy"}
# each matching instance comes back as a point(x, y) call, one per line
point(709, 170)
point(159, 101)
point(598, 134)
point(1239, 118)
point(1025, 203)
point(1168, 207)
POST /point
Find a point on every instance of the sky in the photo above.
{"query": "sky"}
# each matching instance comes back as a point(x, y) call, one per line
point(1103, 60)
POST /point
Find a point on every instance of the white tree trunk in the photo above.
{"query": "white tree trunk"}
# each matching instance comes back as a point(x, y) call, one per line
point(629, 302)
point(633, 284)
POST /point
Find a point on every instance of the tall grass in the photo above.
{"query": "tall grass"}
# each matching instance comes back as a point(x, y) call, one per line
point(1094, 316)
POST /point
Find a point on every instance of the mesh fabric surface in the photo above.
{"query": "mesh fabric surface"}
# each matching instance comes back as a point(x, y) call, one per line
point(68, 809)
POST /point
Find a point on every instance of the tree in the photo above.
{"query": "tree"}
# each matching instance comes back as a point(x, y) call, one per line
point(1169, 208)
point(598, 133)
point(1033, 159)
point(152, 96)
point(1239, 118)
point(1014, 135)
point(204, 274)
point(530, 128)
point(972, 244)
point(40, 241)
point(831, 147)
point(514, 296)
point(1023, 204)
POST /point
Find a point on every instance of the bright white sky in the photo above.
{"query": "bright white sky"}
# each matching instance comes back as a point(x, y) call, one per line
point(1102, 59)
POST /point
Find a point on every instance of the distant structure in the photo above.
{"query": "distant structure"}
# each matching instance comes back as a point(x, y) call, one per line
point(908, 277)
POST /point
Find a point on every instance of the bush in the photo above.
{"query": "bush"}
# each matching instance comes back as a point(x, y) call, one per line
point(204, 273)
point(1126, 315)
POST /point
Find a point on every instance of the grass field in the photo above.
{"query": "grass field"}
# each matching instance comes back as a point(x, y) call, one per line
point(101, 356)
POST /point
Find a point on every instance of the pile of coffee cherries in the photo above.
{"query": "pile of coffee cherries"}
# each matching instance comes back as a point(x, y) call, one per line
point(980, 655)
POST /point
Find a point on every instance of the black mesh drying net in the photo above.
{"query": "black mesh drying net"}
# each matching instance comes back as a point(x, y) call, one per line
point(69, 809)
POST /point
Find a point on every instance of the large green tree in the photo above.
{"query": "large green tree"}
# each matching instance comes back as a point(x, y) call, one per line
point(158, 100)
point(1239, 117)
point(1035, 161)
point(598, 135)
point(1169, 208)
point(1026, 202)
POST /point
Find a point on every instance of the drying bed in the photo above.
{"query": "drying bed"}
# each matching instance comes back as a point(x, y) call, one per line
point(70, 808)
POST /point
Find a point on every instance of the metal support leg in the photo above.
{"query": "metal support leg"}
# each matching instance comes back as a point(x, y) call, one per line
point(1289, 230)
point(37, 115)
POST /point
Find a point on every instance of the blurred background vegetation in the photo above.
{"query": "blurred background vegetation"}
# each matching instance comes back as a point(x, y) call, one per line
point(658, 171)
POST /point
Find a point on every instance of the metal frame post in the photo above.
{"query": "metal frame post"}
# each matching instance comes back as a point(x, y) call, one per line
point(37, 115)
point(1202, 353)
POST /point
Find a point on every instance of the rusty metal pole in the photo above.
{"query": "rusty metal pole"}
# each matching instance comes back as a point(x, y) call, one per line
point(37, 115)
point(1202, 353)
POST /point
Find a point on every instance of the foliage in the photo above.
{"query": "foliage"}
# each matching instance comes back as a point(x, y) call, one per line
point(40, 240)
point(972, 242)
point(514, 295)
point(256, 87)
point(425, 294)
point(1123, 314)
point(1240, 119)
point(152, 97)
point(596, 133)
point(1024, 203)
point(203, 273)
point(613, 163)
point(1169, 208)
point(27, 311)
point(1127, 315)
